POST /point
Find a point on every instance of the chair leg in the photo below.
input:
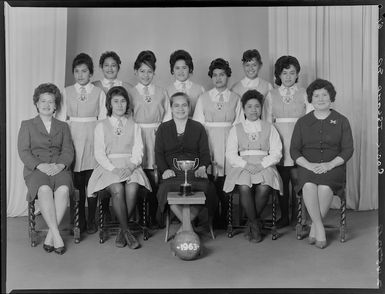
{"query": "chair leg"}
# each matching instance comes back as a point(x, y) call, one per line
point(102, 237)
point(167, 224)
point(230, 216)
point(274, 233)
point(343, 221)
point(298, 227)
point(144, 218)
point(210, 220)
point(31, 222)
point(76, 228)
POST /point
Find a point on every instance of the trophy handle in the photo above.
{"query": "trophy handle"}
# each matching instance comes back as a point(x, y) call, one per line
point(174, 162)
point(196, 163)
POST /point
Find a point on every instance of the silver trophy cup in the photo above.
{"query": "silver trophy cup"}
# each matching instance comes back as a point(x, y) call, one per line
point(185, 165)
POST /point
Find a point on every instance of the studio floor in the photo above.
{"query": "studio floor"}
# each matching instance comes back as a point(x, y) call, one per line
point(224, 263)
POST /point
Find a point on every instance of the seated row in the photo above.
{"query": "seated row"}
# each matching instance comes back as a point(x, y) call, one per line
point(253, 150)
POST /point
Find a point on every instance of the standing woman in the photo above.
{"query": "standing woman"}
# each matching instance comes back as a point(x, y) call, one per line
point(150, 106)
point(83, 104)
point(321, 144)
point(119, 152)
point(253, 150)
point(282, 107)
point(45, 148)
point(109, 63)
point(218, 110)
point(182, 67)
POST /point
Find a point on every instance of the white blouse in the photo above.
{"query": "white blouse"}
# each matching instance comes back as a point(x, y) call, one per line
point(109, 84)
point(275, 151)
point(100, 147)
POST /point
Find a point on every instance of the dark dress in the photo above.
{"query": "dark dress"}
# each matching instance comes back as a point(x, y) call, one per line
point(193, 144)
point(321, 140)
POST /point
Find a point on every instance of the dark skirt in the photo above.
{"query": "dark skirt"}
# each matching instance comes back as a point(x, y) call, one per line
point(37, 179)
point(335, 179)
point(198, 184)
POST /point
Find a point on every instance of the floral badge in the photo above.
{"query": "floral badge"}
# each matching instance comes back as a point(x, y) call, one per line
point(253, 137)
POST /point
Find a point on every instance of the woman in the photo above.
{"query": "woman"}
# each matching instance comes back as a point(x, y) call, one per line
point(183, 139)
point(321, 144)
point(253, 149)
point(45, 147)
point(119, 152)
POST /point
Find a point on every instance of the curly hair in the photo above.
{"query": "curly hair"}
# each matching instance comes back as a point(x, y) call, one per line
point(111, 54)
point(179, 94)
point(248, 55)
point(147, 57)
point(282, 63)
point(48, 88)
point(321, 84)
point(251, 94)
point(116, 91)
point(83, 58)
point(219, 63)
point(181, 55)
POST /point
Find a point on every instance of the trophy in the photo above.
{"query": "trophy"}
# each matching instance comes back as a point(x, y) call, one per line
point(185, 165)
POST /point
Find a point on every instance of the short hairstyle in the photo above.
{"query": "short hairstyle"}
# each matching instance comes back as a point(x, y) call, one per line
point(181, 55)
point(115, 91)
point(248, 55)
point(50, 89)
point(219, 63)
point(83, 58)
point(111, 54)
point(321, 84)
point(147, 57)
point(179, 94)
point(282, 63)
point(252, 94)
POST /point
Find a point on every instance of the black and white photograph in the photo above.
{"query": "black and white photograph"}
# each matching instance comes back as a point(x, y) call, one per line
point(211, 148)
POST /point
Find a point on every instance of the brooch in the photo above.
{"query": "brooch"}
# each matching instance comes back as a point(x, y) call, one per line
point(287, 99)
point(333, 122)
point(253, 137)
point(83, 97)
point(147, 99)
point(118, 131)
point(219, 106)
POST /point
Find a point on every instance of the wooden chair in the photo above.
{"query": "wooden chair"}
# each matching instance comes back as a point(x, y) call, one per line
point(231, 226)
point(342, 227)
point(105, 228)
point(34, 235)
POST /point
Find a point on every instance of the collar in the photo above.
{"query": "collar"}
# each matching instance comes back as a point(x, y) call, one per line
point(214, 94)
point(249, 83)
point(333, 118)
point(178, 84)
point(114, 121)
point(282, 89)
point(106, 83)
point(88, 87)
point(140, 88)
point(252, 126)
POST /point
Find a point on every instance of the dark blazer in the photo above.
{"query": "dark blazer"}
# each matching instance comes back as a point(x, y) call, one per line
point(36, 146)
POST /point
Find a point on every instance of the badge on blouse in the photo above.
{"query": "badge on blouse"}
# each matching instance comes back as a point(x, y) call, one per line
point(147, 99)
point(118, 131)
point(219, 106)
point(83, 97)
point(287, 99)
point(253, 137)
point(333, 121)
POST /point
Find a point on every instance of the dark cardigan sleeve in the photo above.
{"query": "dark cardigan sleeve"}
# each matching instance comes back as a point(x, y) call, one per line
point(346, 141)
point(160, 156)
point(67, 149)
point(296, 141)
point(24, 147)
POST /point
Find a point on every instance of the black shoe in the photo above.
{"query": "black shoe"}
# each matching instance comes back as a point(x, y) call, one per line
point(60, 250)
point(48, 248)
point(131, 240)
point(92, 228)
point(120, 241)
point(256, 234)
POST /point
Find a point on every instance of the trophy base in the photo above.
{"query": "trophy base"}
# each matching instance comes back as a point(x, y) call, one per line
point(185, 190)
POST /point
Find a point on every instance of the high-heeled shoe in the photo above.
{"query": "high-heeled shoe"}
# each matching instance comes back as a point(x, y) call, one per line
point(131, 240)
point(321, 244)
point(311, 240)
point(60, 250)
point(48, 248)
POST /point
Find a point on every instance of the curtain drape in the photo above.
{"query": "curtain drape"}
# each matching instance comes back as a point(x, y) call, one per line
point(35, 54)
point(339, 44)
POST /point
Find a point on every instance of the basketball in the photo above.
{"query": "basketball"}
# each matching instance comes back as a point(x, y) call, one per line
point(186, 245)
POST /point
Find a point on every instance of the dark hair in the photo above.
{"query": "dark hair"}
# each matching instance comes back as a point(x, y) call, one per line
point(179, 94)
point(50, 89)
point(181, 55)
point(147, 57)
point(219, 63)
point(115, 91)
point(251, 94)
point(248, 55)
point(321, 84)
point(83, 58)
point(111, 54)
point(282, 63)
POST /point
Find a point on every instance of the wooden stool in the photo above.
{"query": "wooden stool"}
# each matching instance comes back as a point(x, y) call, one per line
point(173, 198)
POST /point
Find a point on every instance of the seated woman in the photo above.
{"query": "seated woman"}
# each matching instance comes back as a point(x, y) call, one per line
point(183, 139)
point(46, 149)
point(321, 144)
point(119, 152)
point(253, 150)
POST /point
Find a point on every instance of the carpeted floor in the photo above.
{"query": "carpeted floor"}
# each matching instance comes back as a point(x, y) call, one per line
point(225, 263)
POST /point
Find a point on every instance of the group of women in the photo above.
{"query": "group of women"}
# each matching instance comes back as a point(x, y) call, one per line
point(250, 137)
